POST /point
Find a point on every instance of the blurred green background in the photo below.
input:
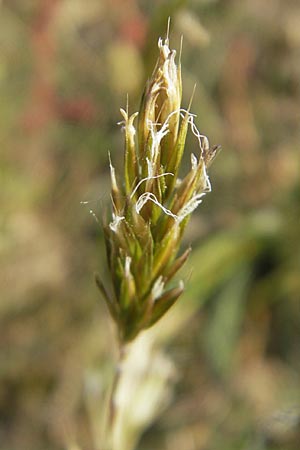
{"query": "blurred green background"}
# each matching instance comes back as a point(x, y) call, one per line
point(65, 69)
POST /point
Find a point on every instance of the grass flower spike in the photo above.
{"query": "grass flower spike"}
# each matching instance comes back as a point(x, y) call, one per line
point(151, 205)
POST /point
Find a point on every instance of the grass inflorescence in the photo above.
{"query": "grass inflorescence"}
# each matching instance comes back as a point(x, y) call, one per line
point(151, 205)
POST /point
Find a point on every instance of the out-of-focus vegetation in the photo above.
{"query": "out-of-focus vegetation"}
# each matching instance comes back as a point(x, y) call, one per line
point(65, 69)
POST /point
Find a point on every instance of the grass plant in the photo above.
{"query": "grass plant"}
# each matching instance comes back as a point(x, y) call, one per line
point(151, 206)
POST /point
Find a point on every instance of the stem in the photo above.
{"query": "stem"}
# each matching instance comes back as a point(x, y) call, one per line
point(112, 407)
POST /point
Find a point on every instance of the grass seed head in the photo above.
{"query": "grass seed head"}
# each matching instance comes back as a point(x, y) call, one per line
point(151, 207)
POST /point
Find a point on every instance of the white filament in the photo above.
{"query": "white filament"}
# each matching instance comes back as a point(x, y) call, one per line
point(149, 178)
point(149, 196)
point(207, 187)
point(194, 162)
point(157, 136)
point(115, 222)
point(158, 288)
point(190, 206)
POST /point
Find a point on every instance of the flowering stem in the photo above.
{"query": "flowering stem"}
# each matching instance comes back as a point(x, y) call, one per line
point(151, 206)
point(112, 406)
